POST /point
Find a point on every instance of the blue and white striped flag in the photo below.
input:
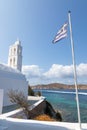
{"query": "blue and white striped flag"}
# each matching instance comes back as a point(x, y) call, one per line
point(62, 33)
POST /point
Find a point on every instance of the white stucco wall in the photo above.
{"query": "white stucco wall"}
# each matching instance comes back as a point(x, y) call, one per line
point(20, 124)
point(11, 79)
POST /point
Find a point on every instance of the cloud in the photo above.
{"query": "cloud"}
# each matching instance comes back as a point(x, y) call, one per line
point(59, 71)
point(82, 70)
point(31, 71)
point(56, 73)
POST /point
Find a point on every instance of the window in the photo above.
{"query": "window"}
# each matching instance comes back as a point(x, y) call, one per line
point(14, 50)
point(10, 61)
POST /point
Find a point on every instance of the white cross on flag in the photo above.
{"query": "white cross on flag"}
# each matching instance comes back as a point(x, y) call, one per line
point(62, 33)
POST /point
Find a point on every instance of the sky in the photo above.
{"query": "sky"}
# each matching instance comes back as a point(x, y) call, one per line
point(35, 23)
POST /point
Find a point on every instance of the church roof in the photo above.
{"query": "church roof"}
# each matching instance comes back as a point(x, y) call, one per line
point(6, 71)
point(5, 67)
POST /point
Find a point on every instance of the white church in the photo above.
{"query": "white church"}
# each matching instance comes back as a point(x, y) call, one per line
point(11, 76)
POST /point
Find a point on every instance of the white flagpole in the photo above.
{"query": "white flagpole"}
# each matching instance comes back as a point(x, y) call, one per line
point(74, 67)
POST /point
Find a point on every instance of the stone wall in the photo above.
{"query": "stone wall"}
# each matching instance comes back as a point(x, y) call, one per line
point(44, 107)
point(38, 109)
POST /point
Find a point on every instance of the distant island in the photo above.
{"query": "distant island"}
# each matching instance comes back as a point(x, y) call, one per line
point(58, 86)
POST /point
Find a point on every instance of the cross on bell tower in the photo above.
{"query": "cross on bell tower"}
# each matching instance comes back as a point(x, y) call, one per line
point(15, 55)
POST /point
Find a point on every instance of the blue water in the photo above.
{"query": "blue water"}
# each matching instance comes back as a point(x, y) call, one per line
point(65, 102)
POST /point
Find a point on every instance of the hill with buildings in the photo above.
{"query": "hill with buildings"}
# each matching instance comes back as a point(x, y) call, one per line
point(58, 86)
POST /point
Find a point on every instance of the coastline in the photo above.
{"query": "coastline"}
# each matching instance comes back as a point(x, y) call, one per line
point(65, 101)
point(58, 86)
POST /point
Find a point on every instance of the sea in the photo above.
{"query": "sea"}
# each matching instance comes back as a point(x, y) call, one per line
point(64, 101)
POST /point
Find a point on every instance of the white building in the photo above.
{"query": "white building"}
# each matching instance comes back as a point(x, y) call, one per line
point(10, 76)
point(15, 55)
point(11, 79)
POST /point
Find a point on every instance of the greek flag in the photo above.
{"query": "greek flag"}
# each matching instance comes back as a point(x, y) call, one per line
point(62, 33)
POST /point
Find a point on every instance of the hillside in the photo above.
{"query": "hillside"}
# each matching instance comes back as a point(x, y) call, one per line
point(58, 86)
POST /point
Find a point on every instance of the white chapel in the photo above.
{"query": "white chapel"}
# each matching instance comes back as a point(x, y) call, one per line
point(11, 76)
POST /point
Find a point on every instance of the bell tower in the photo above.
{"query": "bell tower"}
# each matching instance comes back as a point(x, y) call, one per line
point(15, 55)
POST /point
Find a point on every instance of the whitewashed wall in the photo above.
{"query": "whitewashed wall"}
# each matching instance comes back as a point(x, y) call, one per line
point(12, 80)
point(20, 124)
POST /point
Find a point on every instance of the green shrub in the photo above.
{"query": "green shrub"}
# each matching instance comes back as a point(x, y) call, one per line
point(30, 91)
